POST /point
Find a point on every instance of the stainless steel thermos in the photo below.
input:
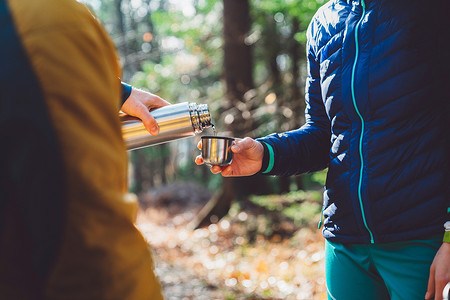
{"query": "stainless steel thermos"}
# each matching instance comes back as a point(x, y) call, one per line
point(175, 121)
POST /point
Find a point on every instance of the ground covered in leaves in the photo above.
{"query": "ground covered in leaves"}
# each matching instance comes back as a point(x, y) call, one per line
point(269, 249)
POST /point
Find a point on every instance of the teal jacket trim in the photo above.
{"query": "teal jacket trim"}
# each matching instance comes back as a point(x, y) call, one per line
point(271, 158)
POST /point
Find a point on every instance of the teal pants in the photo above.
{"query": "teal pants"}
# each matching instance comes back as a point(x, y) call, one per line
point(396, 271)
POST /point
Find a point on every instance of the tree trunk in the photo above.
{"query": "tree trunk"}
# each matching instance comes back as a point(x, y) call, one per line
point(272, 44)
point(238, 68)
point(164, 162)
point(294, 53)
point(122, 41)
point(284, 184)
point(298, 102)
point(238, 65)
point(297, 95)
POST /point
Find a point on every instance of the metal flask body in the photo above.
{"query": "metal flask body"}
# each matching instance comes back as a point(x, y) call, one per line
point(175, 122)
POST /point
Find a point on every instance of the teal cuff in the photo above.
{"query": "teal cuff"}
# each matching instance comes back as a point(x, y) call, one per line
point(271, 159)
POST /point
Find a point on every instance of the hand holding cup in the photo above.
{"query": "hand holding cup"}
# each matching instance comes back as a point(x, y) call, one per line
point(245, 157)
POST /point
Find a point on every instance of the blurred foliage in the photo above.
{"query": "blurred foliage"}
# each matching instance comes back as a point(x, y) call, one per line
point(190, 67)
point(283, 11)
point(300, 206)
point(319, 177)
point(174, 48)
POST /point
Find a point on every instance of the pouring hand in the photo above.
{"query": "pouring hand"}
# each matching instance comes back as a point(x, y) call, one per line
point(247, 159)
point(139, 104)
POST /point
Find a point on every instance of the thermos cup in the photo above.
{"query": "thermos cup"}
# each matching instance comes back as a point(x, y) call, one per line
point(216, 150)
point(175, 121)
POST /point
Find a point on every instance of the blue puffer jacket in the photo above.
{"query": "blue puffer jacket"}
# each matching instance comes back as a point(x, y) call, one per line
point(377, 117)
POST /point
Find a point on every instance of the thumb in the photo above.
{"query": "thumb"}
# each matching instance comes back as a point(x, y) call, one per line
point(147, 119)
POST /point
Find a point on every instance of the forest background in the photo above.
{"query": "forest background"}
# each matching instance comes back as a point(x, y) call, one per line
point(245, 59)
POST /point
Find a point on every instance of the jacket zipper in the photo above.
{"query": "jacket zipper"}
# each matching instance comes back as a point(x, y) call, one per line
point(362, 121)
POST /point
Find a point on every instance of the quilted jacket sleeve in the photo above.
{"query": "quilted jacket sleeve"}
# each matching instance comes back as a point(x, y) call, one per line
point(125, 92)
point(305, 149)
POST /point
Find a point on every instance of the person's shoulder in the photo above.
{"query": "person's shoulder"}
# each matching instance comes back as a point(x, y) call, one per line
point(45, 15)
point(328, 20)
point(331, 13)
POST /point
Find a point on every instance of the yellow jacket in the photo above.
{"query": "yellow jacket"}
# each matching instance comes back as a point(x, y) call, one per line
point(66, 223)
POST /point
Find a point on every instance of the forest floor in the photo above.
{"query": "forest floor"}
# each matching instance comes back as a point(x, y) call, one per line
point(248, 254)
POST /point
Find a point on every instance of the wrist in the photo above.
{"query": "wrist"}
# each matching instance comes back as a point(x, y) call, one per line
point(446, 238)
point(125, 93)
point(265, 158)
point(268, 158)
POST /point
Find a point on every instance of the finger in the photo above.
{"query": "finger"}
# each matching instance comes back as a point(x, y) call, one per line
point(199, 160)
point(216, 169)
point(227, 172)
point(241, 145)
point(199, 145)
point(439, 288)
point(430, 288)
point(157, 102)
